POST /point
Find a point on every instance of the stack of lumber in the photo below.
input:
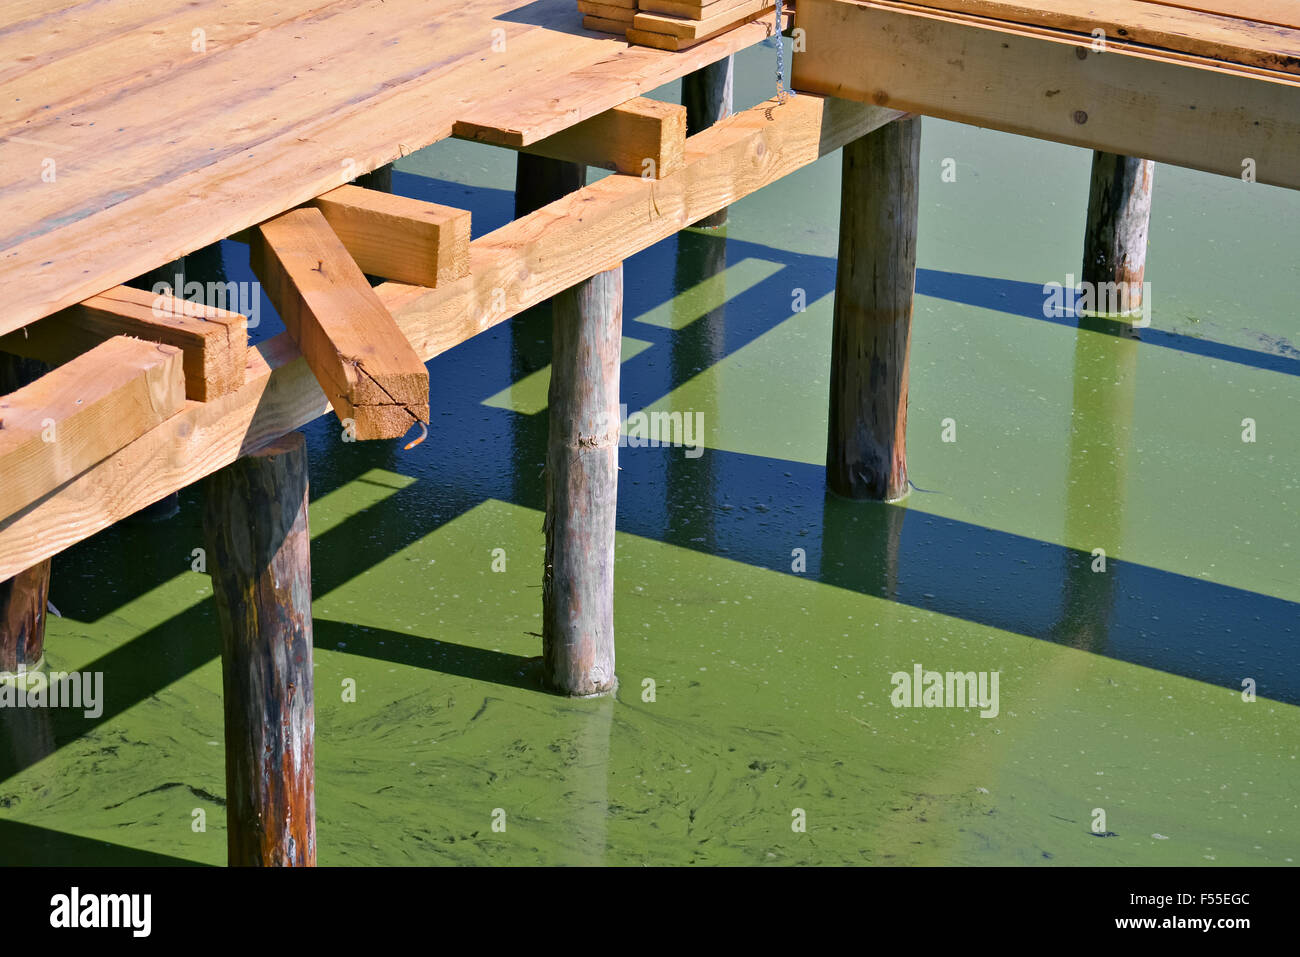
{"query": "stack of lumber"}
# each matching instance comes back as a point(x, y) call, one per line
point(670, 24)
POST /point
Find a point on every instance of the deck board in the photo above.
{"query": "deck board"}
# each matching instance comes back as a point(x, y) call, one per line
point(160, 149)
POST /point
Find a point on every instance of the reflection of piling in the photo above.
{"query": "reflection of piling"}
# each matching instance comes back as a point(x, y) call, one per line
point(582, 486)
point(861, 546)
point(1105, 379)
point(707, 96)
point(23, 598)
point(866, 453)
point(698, 342)
point(255, 523)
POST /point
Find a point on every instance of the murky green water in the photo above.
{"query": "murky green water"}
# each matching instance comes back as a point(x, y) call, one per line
point(1119, 691)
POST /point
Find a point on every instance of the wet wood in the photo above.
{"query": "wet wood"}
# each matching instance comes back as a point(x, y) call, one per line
point(582, 486)
point(1119, 214)
point(255, 525)
point(707, 95)
point(866, 450)
point(24, 596)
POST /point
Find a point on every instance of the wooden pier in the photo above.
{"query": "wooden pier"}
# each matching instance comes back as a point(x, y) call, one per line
point(132, 135)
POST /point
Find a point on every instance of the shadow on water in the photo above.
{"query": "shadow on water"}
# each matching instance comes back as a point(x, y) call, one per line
point(29, 845)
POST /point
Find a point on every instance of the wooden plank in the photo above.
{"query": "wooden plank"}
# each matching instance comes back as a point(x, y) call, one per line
point(706, 27)
point(624, 139)
point(214, 341)
point(399, 238)
point(1285, 13)
point(80, 413)
point(171, 180)
point(688, 8)
point(368, 370)
point(521, 264)
point(605, 25)
point(605, 11)
point(1202, 34)
point(1055, 88)
point(661, 41)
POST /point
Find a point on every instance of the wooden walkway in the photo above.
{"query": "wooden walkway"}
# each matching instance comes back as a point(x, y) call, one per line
point(164, 139)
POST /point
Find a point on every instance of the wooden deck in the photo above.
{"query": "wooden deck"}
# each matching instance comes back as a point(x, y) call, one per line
point(164, 139)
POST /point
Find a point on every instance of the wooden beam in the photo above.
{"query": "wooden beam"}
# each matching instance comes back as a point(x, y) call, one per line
point(661, 41)
point(875, 277)
point(214, 342)
point(582, 486)
point(406, 240)
point(521, 264)
point(697, 29)
point(1053, 87)
point(622, 139)
point(370, 373)
point(83, 411)
point(259, 551)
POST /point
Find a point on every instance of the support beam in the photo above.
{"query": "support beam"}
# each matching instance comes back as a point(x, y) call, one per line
point(1119, 216)
point(866, 446)
point(582, 486)
point(621, 139)
point(1130, 100)
point(517, 266)
point(24, 597)
point(707, 95)
point(213, 340)
point(80, 413)
point(366, 366)
point(255, 525)
point(398, 238)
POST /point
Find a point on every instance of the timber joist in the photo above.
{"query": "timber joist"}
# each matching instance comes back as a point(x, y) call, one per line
point(314, 281)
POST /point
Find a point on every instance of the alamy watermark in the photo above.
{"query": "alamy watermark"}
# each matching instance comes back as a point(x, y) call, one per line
point(1118, 299)
point(658, 429)
point(197, 298)
point(951, 689)
point(57, 689)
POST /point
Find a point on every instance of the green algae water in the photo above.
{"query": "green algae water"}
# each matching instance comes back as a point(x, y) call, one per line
point(759, 620)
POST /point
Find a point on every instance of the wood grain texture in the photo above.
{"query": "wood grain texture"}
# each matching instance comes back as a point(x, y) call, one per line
point(623, 139)
point(1187, 31)
point(213, 341)
point(582, 486)
point(723, 25)
point(145, 152)
point(1119, 217)
point(875, 277)
point(1125, 101)
point(369, 371)
point(615, 26)
point(399, 238)
point(691, 29)
point(605, 11)
point(80, 413)
point(688, 8)
point(523, 263)
point(255, 526)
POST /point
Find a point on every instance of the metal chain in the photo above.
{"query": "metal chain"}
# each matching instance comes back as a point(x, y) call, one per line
point(780, 60)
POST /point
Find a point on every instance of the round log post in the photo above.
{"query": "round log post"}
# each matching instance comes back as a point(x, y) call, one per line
point(540, 180)
point(1119, 216)
point(582, 486)
point(866, 448)
point(255, 524)
point(23, 598)
point(707, 96)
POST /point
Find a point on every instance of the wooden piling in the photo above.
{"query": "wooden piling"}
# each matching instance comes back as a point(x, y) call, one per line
point(866, 449)
point(540, 180)
point(255, 523)
point(1119, 216)
point(582, 486)
point(707, 96)
point(23, 598)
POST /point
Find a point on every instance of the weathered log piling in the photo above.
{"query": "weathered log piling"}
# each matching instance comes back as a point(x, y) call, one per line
point(1119, 217)
point(866, 449)
point(707, 96)
point(255, 524)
